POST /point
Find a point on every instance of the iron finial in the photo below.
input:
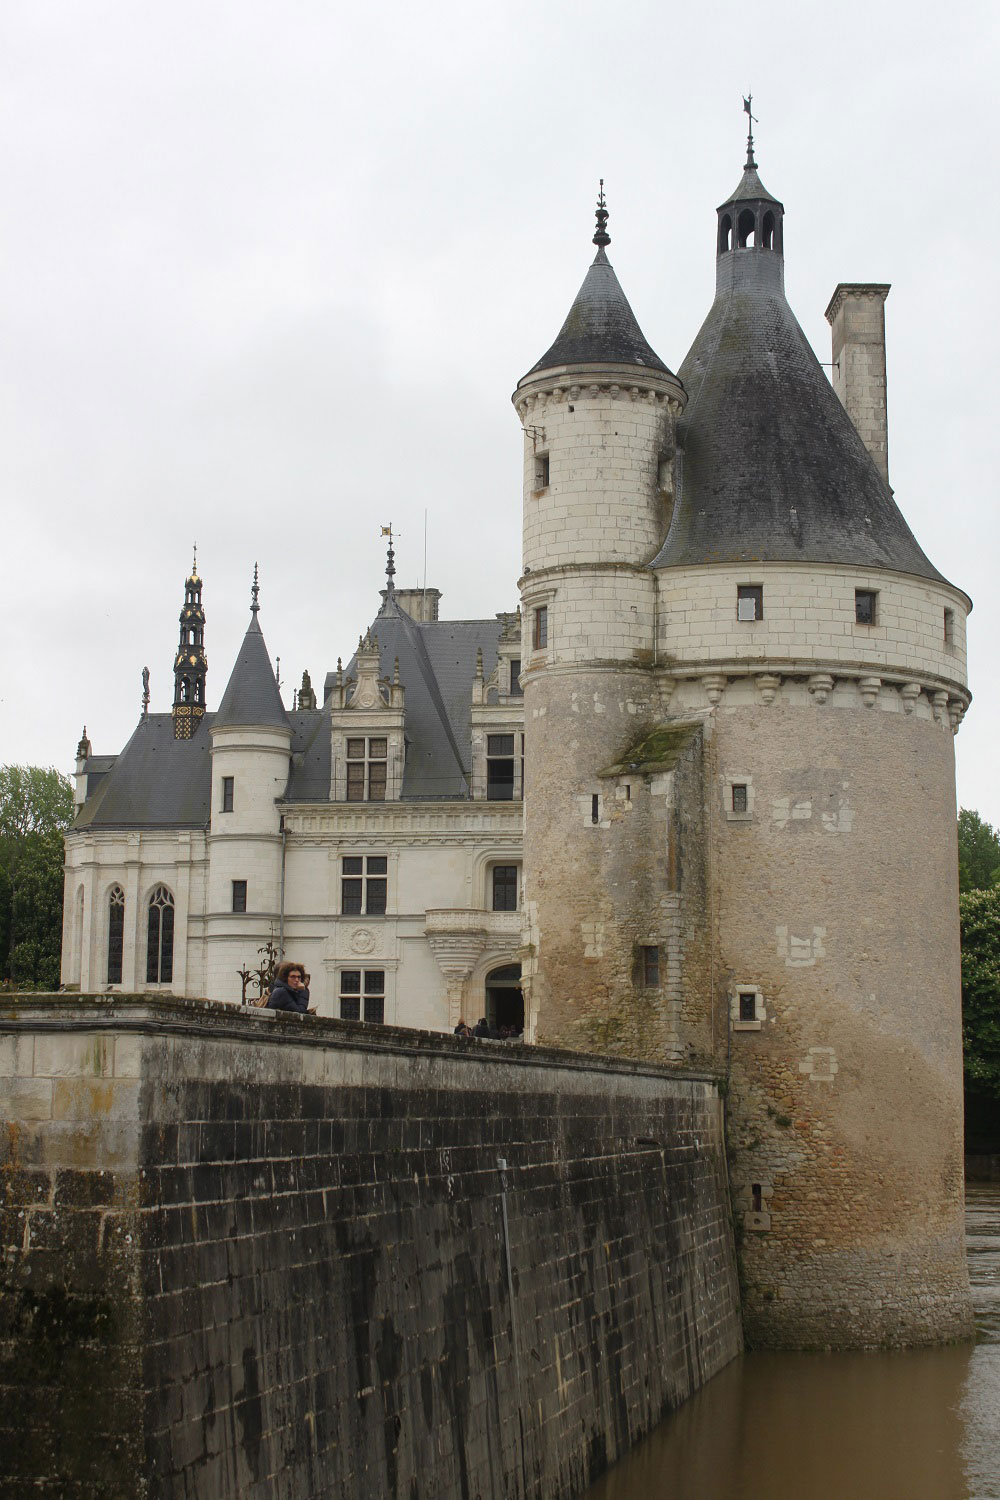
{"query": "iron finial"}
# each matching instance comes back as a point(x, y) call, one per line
point(602, 237)
point(390, 563)
point(254, 592)
point(145, 692)
point(194, 565)
point(751, 122)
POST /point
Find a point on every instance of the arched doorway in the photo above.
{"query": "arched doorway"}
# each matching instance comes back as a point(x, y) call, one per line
point(504, 1000)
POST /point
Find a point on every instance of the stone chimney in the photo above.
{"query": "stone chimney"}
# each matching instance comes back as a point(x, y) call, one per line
point(420, 604)
point(857, 316)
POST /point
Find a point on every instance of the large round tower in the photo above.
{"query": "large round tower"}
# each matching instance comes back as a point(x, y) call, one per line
point(799, 612)
point(740, 784)
point(598, 412)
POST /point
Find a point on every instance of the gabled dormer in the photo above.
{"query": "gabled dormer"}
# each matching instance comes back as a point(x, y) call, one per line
point(367, 719)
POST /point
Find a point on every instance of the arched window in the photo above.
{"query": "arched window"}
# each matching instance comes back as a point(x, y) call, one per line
point(725, 234)
point(767, 231)
point(116, 933)
point(160, 940)
point(745, 230)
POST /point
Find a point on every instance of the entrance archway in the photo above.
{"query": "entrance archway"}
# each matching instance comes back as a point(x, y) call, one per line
point(504, 1000)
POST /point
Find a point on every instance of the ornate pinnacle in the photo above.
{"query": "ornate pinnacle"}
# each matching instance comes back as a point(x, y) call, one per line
point(194, 564)
point(602, 237)
point(254, 593)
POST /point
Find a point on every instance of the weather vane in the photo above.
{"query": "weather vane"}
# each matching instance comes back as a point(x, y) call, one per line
point(751, 122)
point(390, 564)
point(254, 592)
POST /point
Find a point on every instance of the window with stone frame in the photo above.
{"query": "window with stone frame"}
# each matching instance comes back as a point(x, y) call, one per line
point(116, 933)
point(363, 884)
point(362, 995)
point(540, 628)
point(505, 879)
point(367, 768)
point(160, 937)
point(750, 602)
point(865, 606)
point(500, 767)
point(239, 895)
point(228, 783)
point(651, 967)
point(515, 677)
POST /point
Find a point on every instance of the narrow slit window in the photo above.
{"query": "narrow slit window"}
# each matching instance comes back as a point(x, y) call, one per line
point(541, 471)
point(228, 783)
point(651, 967)
point(116, 933)
point(541, 628)
point(756, 1198)
point(949, 627)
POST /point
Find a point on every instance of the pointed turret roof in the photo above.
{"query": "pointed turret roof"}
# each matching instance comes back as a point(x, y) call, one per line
point(252, 696)
point(771, 467)
point(601, 328)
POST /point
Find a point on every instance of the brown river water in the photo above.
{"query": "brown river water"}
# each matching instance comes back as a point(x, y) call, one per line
point(920, 1425)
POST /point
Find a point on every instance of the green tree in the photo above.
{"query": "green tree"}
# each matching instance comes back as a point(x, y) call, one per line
point(980, 911)
point(978, 852)
point(36, 808)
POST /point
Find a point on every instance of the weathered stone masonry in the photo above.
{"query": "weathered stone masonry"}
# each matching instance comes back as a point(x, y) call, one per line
point(257, 1256)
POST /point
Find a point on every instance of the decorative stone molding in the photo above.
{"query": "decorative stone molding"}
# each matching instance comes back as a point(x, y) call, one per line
point(940, 701)
point(909, 692)
point(956, 713)
point(714, 685)
point(820, 684)
point(458, 937)
point(869, 688)
point(768, 685)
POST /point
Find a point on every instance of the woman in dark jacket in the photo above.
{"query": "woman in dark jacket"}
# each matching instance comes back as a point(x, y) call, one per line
point(290, 991)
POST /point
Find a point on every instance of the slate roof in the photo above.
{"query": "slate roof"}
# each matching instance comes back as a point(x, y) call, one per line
point(252, 696)
point(601, 327)
point(437, 665)
point(156, 781)
point(770, 466)
point(751, 187)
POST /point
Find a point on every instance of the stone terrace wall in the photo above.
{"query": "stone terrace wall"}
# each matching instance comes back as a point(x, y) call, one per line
point(259, 1256)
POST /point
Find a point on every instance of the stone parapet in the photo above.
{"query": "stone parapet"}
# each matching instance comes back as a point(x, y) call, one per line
point(249, 1254)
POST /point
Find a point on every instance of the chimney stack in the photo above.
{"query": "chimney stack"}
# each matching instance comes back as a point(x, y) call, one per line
point(857, 316)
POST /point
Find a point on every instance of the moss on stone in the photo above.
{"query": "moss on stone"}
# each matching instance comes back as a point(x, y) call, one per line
point(659, 750)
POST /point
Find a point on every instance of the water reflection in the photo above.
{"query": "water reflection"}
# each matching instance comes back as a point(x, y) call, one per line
point(919, 1425)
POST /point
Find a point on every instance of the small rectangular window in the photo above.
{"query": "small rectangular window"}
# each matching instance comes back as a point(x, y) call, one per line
point(651, 967)
point(515, 677)
point(541, 471)
point(541, 628)
point(505, 887)
point(362, 988)
point(750, 601)
point(239, 895)
point(227, 793)
point(739, 799)
point(748, 1005)
point(500, 767)
point(865, 606)
point(595, 808)
point(949, 627)
point(363, 885)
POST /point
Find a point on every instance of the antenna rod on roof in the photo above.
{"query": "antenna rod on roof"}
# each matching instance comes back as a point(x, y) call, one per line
point(425, 552)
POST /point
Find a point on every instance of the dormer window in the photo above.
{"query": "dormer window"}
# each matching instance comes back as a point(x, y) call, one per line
point(367, 762)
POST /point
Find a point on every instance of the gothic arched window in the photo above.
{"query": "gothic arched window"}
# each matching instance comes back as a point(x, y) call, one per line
point(725, 234)
point(767, 233)
point(160, 940)
point(116, 933)
point(746, 228)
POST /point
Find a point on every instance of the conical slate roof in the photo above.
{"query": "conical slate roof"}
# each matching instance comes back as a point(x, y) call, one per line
point(771, 467)
point(601, 327)
point(751, 188)
point(251, 696)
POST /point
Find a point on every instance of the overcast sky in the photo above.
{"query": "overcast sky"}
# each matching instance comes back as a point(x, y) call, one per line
point(269, 274)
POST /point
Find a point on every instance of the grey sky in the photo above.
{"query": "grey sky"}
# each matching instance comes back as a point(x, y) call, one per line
point(269, 273)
